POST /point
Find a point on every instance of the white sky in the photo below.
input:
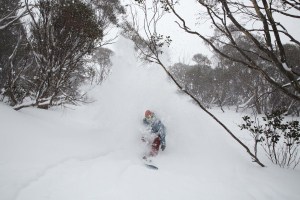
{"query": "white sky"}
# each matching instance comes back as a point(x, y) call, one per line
point(184, 45)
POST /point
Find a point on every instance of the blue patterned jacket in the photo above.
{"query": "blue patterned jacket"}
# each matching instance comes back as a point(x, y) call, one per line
point(156, 127)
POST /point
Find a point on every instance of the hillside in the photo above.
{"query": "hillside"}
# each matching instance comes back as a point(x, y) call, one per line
point(94, 151)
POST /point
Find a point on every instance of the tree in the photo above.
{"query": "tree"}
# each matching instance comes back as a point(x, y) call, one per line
point(198, 79)
point(9, 13)
point(101, 65)
point(231, 84)
point(201, 59)
point(292, 57)
point(107, 12)
point(278, 138)
point(62, 34)
point(255, 91)
point(45, 63)
point(14, 56)
point(231, 17)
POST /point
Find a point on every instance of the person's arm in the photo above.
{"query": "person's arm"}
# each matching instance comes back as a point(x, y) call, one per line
point(162, 134)
point(145, 121)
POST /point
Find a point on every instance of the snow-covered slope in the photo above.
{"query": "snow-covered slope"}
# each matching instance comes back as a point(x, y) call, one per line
point(93, 152)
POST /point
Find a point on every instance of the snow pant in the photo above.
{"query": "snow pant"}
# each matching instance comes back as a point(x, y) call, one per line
point(155, 146)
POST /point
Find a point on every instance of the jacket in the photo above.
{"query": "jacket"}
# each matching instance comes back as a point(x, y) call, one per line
point(156, 127)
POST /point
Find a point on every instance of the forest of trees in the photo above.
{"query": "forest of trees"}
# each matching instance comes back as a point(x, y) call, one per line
point(49, 48)
point(45, 46)
point(252, 67)
point(228, 84)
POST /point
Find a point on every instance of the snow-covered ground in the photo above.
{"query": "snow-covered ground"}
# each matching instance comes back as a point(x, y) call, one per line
point(94, 151)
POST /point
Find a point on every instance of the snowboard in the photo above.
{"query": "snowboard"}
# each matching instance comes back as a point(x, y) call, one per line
point(148, 163)
point(150, 166)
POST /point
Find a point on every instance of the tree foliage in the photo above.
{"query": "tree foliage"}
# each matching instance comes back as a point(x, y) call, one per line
point(101, 64)
point(280, 140)
point(44, 64)
point(14, 57)
point(108, 11)
point(61, 34)
point(233, 85)
point(201, 59)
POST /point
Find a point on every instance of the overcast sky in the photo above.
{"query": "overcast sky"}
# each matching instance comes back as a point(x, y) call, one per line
point(184, 45)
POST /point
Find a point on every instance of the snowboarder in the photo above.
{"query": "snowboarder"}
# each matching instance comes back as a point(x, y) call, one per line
point(157, 133)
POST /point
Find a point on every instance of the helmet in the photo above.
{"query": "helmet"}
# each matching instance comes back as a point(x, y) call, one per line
point(148, 113)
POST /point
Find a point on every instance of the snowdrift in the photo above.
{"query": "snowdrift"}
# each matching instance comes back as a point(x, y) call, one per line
point(94, 151)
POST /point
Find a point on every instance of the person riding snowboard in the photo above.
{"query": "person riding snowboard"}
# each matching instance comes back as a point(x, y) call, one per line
point(157, 133)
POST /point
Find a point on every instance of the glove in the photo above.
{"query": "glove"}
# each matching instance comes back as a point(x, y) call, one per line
point(163, 147)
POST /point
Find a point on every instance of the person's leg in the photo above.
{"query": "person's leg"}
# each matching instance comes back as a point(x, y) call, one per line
point(155, 146)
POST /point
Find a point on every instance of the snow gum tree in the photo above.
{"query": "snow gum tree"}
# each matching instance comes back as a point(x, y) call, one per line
point(43, 56)
point(62, 33)
point(13, 51)
point(100, 65)
point(232, 84)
